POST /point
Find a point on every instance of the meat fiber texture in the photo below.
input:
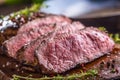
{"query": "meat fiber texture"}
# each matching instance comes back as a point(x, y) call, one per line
point(65, 51)
point(27, 53)
point(50, 20)
point(57, 44)
point(31, 31)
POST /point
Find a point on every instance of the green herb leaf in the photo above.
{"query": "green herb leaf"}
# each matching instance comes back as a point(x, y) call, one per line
point(102, 29)
point(115, 37)
point(59, 77)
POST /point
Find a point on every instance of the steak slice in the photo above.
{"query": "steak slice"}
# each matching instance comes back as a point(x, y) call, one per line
point(41, 21)
point(23, 38)
point(27, 53)
point(66, 50)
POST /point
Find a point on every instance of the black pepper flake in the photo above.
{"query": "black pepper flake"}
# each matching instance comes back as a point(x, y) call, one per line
point(113, 61)
point(108, 64)
point(117, 71)
point(43, 42)
point(112, 66)
point(102, 65)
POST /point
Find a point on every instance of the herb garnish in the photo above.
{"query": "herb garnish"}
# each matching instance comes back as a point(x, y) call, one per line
point(59, 77)
point(115, 37)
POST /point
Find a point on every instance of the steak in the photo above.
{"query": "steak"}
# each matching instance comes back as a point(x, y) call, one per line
point(26, 54)
point(55, 44)
point(67, 50)
point(30, 32)
point(40, 22)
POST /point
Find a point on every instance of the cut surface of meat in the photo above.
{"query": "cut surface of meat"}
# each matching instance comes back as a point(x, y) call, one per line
point(43, 21)
point(27, 55)
point(25, 38)
point(57, 44)
point(31, 31)
point(65, 51)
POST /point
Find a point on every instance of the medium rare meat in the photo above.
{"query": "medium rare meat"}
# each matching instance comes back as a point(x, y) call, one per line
point(40, 22)
point(57, 44)
point(30, 32)
point(23, 39)
point(67, 50)
point(27, 53)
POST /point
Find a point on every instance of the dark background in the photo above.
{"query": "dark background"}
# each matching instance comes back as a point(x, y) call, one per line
point(112, 23)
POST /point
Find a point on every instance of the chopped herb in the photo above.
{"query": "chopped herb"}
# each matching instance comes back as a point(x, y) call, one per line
point(113, 71)
point(16, 2)
point(59, 77)
point(37, 4)
point(115, 37)
point(102, 29)
point(27, 11)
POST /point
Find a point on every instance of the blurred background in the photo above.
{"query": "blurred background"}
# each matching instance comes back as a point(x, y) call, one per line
point(96, 13)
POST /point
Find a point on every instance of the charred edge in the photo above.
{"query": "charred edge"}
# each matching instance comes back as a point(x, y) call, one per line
point(20, 53)
point(20, 56)
point(3, 50)
point(28, 67)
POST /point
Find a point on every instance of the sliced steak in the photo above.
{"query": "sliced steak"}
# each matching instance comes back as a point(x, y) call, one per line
point(66, 50)
point(41, 21)
point(23, 39)
point(30, 32)
point(57, 44)
point(27, 53)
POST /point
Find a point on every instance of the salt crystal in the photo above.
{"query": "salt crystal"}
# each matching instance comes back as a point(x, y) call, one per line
point(6, 18)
